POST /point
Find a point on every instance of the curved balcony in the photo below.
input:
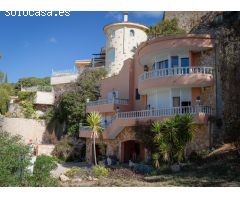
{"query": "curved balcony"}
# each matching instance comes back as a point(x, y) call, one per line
point(107, 105)
point(178, 76)
point(167, 45)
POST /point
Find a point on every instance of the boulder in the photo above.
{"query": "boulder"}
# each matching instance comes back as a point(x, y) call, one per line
point(64, 178)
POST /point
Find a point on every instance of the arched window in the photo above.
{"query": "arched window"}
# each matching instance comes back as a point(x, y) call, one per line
point(132, 33)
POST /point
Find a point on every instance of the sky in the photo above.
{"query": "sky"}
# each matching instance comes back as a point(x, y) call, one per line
point(32, 46)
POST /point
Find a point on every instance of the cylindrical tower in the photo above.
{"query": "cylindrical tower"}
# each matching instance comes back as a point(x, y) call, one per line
point(122, 38)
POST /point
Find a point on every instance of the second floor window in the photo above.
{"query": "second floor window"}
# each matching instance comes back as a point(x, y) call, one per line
point(184, 62)
point(160, 65)
point(174, 61)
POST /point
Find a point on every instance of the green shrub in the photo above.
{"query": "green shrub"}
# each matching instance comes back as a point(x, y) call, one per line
point(65, 150)
point(14, 160)
point(42, 172)
point(26, 96)
point(100, 171)
point(75, 172)
point(28, 109)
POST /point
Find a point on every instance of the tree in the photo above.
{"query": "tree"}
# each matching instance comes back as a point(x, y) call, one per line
point(32, 81)
point(70, 106)
point(164, 28)
point(5, 91)
point(172, 136)
point(6, 79)
point(1, 76)
point(94, 120)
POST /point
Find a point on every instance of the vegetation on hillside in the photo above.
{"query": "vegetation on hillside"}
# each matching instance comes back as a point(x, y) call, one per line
point(164, 28)
point(70, 107)
point(6, 90)
point(32, 81)
point(15, 163)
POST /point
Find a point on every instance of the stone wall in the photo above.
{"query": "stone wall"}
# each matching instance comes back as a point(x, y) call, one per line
point(29, 129)
point(201, 141)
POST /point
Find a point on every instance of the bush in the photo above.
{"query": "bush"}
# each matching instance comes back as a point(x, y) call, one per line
point(76, 172)
point(42, 172)
point(100, 171)
point(14, 160)
point(67, 150)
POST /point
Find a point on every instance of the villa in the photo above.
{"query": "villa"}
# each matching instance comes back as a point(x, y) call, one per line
point(148, 80)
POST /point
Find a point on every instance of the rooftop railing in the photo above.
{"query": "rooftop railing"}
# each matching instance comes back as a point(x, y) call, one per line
point(64, 72)
point(108, 101)
point(174, 71)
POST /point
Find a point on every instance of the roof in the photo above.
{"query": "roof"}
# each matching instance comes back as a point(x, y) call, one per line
point(133, 24)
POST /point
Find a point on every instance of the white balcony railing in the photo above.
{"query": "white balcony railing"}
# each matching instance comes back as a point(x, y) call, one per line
point(167, 72)
point(64, 72)
point(165, 112)
point(108, 101)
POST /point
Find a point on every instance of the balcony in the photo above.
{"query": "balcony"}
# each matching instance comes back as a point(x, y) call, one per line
point(107, 105)
point(167, 45)
point(200, 76)
point(125, 119)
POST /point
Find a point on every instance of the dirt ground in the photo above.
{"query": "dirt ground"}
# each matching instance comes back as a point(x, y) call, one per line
point(220, 168)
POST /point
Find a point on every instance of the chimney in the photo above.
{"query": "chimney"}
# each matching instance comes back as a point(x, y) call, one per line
point(125, 16)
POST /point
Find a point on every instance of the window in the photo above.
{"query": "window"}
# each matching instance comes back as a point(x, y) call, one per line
point(176, 101)
point(163, 64)
point(185, 63)
point(132, 33)
point(137, 95)
point(160, 65)
point(112, 35)
point(111, 55)
point(174, 61)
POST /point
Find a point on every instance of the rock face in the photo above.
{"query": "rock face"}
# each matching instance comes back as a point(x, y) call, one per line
point(224, 27)
point(186, 19)
point(63, 178)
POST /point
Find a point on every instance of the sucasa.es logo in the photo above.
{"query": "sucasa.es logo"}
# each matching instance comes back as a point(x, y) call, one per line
point(37, 13)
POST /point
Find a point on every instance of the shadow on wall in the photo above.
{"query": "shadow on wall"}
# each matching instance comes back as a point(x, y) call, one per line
point(54, 132)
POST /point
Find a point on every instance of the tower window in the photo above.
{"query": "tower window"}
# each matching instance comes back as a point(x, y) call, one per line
point(132, 33)
point(111, 55)
point(112, 35)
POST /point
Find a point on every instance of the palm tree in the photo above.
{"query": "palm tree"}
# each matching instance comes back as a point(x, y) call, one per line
point(94, 121)
point(173, 135)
